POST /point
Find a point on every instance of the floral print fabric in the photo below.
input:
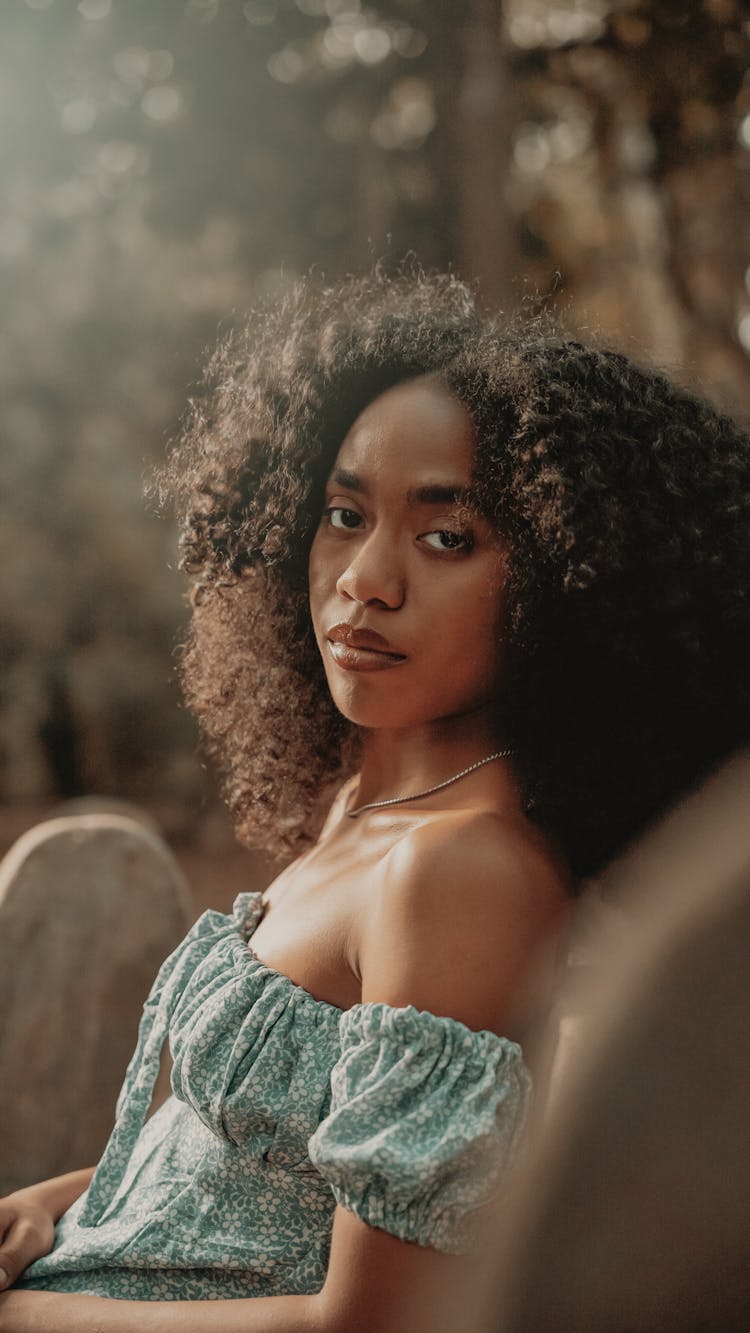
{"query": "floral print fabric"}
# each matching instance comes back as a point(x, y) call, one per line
point(283, 1106)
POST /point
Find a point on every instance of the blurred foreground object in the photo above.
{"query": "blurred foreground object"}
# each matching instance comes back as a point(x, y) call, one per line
point(89, 908)
point(633, 1211)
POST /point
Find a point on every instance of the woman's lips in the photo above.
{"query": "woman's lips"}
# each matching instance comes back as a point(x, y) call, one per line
point(359, 648)
point(350, 658)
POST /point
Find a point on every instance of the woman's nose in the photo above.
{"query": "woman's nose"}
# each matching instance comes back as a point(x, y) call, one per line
point(374, 574)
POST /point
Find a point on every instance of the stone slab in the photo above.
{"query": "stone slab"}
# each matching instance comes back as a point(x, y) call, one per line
point(90, 905)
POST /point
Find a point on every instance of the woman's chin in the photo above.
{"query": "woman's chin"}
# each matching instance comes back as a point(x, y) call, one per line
point(386, 715)
point(374, 714)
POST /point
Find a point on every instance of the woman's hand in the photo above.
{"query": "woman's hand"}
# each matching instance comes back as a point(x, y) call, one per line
point(28, 1217)
point(27, 1231)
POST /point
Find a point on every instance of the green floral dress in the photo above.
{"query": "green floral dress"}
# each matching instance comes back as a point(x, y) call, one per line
point(282, 1107)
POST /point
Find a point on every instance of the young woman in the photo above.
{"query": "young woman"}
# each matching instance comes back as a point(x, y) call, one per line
point(485, 587)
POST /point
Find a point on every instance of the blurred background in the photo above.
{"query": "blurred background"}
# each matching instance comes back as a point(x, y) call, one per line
point(163, 164)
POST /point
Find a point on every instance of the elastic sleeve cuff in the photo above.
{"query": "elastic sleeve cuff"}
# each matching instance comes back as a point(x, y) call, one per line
point(425, 1117)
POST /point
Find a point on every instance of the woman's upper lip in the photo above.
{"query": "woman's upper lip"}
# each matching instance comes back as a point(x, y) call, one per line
point(361, 637)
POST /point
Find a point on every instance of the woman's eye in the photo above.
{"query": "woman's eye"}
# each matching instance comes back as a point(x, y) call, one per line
point(443, 539)
point(339, 517)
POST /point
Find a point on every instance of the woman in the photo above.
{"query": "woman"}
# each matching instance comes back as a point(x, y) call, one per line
point(486, 586)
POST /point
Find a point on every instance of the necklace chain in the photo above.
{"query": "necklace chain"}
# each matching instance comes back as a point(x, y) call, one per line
point(398, 800)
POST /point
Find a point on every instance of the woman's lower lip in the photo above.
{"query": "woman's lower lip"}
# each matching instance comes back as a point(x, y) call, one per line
point(362, 659)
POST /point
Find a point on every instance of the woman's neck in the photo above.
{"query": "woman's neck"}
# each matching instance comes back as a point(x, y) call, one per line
point(413, 759)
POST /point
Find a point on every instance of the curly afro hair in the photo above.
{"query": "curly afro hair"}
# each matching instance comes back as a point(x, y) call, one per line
point(623, 499)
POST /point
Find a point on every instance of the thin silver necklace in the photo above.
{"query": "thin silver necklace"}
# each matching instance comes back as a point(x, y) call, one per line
point(399, 800)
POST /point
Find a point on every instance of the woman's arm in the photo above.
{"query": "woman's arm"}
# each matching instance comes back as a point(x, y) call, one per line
point(27, 1220)
point(57, 1194)
point(375, 1284)
point(61, 1312)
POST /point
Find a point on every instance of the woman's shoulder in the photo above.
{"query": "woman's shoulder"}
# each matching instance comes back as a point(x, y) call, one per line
point(467, 905)
point(481, 868)
point(494, 846)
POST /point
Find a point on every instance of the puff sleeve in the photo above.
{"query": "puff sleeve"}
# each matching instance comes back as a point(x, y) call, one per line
point(424, 1118)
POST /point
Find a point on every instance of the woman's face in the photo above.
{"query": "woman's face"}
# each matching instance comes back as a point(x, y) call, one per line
point(406, 585)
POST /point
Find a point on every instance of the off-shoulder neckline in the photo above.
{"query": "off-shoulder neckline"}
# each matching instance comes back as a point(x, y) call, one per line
point(295, 985)
point(361, 1007)
point(239, 917)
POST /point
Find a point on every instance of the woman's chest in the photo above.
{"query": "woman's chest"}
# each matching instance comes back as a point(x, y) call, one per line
point(314, 917)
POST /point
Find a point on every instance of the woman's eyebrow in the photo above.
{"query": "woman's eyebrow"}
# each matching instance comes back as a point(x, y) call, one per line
point(431, 493)
point(437, 493)
point(349, 480)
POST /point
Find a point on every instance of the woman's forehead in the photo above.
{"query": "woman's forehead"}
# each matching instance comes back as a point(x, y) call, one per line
point(415, 427)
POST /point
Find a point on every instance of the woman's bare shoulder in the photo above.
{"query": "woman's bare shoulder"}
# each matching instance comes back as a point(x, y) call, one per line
point(499, 866)
point(466, 906)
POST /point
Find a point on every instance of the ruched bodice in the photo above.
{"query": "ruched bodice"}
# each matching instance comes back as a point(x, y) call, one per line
point(282, 1106)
